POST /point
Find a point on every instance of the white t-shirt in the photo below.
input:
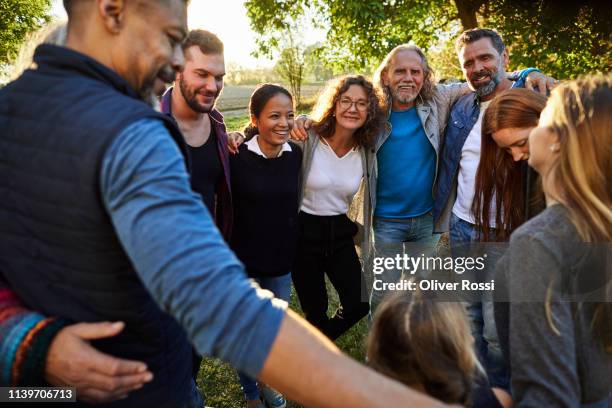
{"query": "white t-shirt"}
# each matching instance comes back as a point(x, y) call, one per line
point(332, 181)
point(470, 158)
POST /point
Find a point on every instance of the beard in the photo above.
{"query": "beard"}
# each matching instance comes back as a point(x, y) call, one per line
point(489, 87)
point(156, 85)
point(148, 96)
point(191, 97)
point(404, 97)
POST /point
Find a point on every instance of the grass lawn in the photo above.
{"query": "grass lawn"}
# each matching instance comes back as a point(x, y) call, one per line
point(219, 381)
point(238, 123)
point(235, 98)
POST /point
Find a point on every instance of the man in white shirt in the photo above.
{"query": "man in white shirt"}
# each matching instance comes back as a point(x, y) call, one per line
point(483, 59)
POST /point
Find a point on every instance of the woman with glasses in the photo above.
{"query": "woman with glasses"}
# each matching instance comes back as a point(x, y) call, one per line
point(337, 157)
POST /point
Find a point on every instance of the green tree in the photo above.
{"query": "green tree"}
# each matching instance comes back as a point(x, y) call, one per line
point(290, 65)
point(563, 38)
point(315, 69)
point(17, 19)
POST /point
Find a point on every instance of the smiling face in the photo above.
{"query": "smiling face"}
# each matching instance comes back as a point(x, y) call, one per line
point(404, 77)
point(201, 82)
point(483, 67)
point(275, 120)
point(352, 108)
point(513, 141)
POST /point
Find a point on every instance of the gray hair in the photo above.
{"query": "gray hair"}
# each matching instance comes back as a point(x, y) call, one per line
point(426, 91)
point(52, 33)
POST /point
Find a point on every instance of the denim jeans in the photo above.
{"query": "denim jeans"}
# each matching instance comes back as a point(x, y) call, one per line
point(391, 236)
point(605, 403)
point(480, 311)
point(197, 398)
point(281, 287)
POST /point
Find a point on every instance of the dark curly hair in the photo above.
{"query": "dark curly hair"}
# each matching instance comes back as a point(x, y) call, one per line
point(323, 114)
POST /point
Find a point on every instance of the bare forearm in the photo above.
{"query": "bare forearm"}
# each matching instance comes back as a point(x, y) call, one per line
point(307, 367)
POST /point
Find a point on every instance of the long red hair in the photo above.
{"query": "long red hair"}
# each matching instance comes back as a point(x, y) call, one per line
point(499, 178)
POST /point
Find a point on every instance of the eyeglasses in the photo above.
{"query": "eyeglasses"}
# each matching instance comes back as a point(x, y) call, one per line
point(346, 103)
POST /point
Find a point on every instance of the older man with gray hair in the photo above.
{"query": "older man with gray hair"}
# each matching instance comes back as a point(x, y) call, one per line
point(407, 157)
point(99, 222)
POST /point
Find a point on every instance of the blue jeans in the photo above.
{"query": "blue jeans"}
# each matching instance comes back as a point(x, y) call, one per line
point(480, 312)
point(281, 287)
point(390, 237)
point(197, 398)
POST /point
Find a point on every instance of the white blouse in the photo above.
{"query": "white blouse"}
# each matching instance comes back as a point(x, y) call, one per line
point(332, 181)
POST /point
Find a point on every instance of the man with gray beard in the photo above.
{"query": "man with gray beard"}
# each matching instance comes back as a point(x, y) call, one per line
point(483, 58)
point(405, 169)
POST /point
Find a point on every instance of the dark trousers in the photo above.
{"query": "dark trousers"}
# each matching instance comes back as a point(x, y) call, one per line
point(325, 246)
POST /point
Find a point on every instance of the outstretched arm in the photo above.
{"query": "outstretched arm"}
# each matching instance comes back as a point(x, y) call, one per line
point(307, 367)
point(186, 266)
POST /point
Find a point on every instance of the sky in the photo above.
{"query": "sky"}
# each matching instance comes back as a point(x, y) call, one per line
point(228, 21)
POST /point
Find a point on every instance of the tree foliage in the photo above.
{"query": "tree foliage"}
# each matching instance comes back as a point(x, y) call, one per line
point(562, 38)
point(290, 65)
point(17, 19)
point(314, 68)
point(565, 39)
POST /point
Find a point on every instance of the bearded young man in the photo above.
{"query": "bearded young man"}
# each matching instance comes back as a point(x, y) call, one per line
point(99, 222)
point(191, 102)
point(484, 59)
point(408, 157)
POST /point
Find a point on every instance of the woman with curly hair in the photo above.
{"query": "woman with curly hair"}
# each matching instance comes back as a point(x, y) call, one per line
point(337, 158)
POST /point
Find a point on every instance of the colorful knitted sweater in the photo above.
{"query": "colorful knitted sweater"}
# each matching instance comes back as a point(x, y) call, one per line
point(25, 337)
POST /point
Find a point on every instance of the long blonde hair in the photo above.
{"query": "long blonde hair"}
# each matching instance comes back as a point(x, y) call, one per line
point(581, 113)
point(581, 117)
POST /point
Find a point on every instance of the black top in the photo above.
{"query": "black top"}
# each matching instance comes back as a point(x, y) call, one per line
point(206, 171)
point(482, 394)
point(265, 193)
point(59, 250)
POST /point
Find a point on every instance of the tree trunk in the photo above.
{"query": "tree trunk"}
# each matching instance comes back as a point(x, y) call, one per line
point(467, 12)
